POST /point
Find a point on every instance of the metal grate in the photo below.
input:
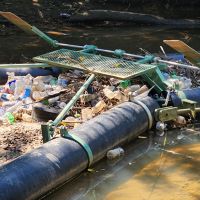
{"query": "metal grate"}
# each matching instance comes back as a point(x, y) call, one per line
point(96, 64)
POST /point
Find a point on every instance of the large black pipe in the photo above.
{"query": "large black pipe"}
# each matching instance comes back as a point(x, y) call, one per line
point(190, 94)
point(35, 173)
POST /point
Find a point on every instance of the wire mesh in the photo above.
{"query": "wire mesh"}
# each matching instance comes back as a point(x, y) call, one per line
point(93, 63)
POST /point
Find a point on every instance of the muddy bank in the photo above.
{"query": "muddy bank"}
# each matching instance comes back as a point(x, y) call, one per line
point(18, 139)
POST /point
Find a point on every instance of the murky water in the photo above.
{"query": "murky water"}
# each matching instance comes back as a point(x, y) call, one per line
point(149, 170)
point(17, 47)
point(153, 168)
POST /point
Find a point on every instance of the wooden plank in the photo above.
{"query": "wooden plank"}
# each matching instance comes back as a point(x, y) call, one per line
point(189, 53)
point(17, 21)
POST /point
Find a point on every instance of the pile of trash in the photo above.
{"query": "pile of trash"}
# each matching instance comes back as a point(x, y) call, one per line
point(29, 99)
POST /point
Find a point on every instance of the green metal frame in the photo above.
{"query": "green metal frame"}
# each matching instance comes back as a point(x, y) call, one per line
point(48, 130)
point(154, 77)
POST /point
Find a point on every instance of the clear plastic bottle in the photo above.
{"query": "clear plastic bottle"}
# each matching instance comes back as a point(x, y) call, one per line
point(15, 107)
point(132, 88)
point(98, 107)
point(108, 92)
point(19, 88)
point(86, 114)
point(36, 95)
point(115, 153)
point(87, 97)
point(11, 76)
point(143, 89)
point(53, 100)
point(7, 97)
point(44, 79)
point(185, 83)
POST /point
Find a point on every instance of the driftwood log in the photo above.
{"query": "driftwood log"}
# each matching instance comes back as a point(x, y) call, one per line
point(137, 18)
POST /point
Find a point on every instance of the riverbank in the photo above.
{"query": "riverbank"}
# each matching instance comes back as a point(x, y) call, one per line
point(52, 13)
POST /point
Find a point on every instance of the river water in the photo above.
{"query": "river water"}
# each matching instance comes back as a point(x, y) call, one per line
point(153, 167)
point(17, 47)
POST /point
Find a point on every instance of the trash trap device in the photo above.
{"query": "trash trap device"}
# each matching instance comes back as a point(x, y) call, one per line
point(94, 65)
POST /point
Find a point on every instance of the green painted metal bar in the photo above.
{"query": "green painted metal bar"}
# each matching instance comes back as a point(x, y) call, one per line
point(60, 117)
point(44, 36)
point(153, 79)
point(26, 65)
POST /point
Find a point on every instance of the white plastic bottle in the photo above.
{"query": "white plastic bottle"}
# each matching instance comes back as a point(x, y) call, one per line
point(19, 88)
point(115, 153)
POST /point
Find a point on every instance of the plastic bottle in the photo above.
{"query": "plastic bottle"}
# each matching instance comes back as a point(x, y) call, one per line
point(15, 107)
point(10, 117)
point(87, 97)
point(143, 89)
point(62, 81)
point(44, 79)
point(62, 105)
point(28, 79)
point(160, 127)
point(185, 83)
point(98, 107)
point(115, 153)
point(19, 87)
point(132, 88)
point(108, 92)
point(53, 100)
point(125, 83)
point(38, 86)
point(27, 92)
point(11, 76)
point(8, 103)
point(7, 97)
point(39, 95)
point(180, 120)
point(86, 114)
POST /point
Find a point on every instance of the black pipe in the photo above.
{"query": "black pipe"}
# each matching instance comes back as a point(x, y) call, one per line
point(190, 94)
point(35, 173)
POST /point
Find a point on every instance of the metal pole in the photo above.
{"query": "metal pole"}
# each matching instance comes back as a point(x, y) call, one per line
point(97, 49)
point(135, 56)
point(179, 64)
point(31, 65)
point(60, 117)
